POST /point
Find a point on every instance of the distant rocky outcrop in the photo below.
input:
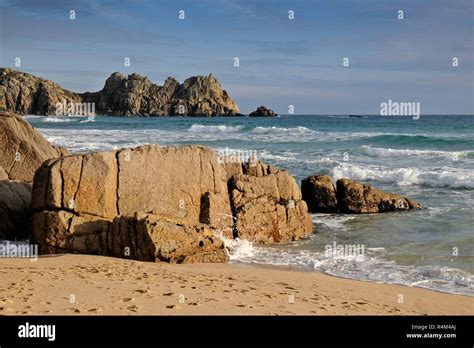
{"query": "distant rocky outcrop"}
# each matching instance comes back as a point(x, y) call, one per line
point(350, 197)
point(262, 111)
point(22, 148)
point(131, 95)
point(23, 93)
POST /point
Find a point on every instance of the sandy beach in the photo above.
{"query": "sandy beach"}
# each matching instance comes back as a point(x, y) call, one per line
point(89, 285)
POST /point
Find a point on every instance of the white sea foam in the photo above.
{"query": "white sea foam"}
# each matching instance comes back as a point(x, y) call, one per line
point(57, 119)
point(279, 130)
point(388, 152)
point(363, 267)
point(200, 128)
point(442, 177)
point(333, 221)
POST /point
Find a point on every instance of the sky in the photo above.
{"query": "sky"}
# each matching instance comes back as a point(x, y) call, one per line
point(282, 61)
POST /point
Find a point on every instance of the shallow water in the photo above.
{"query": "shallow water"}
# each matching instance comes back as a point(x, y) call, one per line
point(430, 160)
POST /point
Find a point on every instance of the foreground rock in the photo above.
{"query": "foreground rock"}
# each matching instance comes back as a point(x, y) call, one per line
point(267, 204)
point(319, 193)
point(357, 198)
point(262, 111)
point(167, 204)
point(82, 195)
point(143, 237)
point(350, 197)
point(131, 95)
point(23, 149)
point(15, 211)
point(3, 174)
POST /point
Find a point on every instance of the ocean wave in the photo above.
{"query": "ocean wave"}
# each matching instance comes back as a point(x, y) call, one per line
point(368, 266)
point(420, 140)
point(334, 222)
point(444, 177)
point(388, 152)
point(280, 130)
point(57, 119)
point(199, 128)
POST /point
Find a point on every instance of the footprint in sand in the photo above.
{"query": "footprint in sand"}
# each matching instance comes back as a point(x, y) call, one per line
point(127, 299)
point(173, 306)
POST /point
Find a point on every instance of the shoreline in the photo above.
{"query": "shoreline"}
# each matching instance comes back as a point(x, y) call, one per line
point(112, 286)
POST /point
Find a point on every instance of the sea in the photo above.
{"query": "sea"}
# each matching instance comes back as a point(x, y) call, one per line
point(430, 159)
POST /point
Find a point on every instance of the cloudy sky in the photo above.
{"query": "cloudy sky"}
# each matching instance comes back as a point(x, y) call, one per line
point(282, 61)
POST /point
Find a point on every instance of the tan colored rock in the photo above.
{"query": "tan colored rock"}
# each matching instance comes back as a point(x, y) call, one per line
point(173, 181)
point(319, 194)
point(22, 148)
point(357, 198)
point(143, 237)
point(64, 232)
point(151, 237)
point(162, 203)
point(268, 208)
point(78, 194)
point(3, 174)
point(15, 211)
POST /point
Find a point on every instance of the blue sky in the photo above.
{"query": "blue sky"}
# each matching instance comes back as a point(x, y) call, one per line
point(282, 61)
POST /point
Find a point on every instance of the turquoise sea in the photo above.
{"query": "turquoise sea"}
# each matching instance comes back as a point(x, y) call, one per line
point(430, 159)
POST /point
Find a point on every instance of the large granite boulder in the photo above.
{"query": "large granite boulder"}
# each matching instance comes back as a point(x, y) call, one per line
point(23, 149)
point(267, 205)
point(357, 198)
point(151, 237)
point(86, 193)
point(131, 95)
point(142, 236)
point(98, 202)
point(263, 111)
point(319, 193)
point(15, 211)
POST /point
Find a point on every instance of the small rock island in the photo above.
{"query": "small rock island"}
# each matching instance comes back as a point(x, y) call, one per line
point(263, 111)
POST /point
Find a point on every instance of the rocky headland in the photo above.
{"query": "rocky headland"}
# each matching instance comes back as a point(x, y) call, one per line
point(131, 95)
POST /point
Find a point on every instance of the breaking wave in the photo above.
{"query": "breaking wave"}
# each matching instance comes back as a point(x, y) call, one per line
point(199, 128)
point(443, 177)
